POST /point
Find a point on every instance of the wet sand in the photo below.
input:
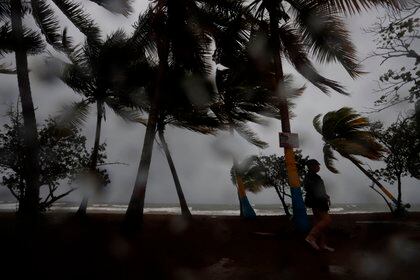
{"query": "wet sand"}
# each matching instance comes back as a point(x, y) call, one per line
point(368, 246)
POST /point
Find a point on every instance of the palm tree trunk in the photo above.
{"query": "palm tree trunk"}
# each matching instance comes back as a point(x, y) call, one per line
point(283, 203)
point(417, 117)
point(94, 158)
point(245, 208)
point(183, 203)
point(30, 203)
point(134, 213)
point(299, 210)
point(370, 176)
point(241, 212)
point(247, 211)
point(399, 192)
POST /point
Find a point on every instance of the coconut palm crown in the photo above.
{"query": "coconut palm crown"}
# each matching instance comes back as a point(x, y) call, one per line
point(346, 132)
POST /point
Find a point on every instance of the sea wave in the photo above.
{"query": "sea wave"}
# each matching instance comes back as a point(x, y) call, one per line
point(215, 212)
point(210, 210)
point(8, 206)
point(338, 209)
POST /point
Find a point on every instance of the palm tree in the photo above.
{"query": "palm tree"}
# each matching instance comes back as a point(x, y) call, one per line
point(195, 119)
point(245, 86)
point(259, 172)
point(205, 128)
point(293, 29)
point(175, 38)
point(239, 103)
point(102, 72)
point(345, 132)
point(23, 41)
point(235, 103)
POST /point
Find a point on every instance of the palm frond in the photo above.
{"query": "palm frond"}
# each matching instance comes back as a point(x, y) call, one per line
point(295, 51)
point(143, 38)
point(231, 22)
point(367, 147)
point(356, 6)
point(363, 135)
point(343, 118)
point(328, 38)
point(189, 42)
point(32, 42)
point(78, 79)
point(329, 158)
point(6, 45)
point(116, 38)
point(317, 123)
point(73, 115)
point(287, 90)
point(81, 20)
point(245, 132)
point(67, 42)
point(357, 124)
point(47, 21)
point(137, 98)
point(126, 113)
point(116, 6)
point(194, 119)
point(77, 55)
point(4, 10)
point(345, 114)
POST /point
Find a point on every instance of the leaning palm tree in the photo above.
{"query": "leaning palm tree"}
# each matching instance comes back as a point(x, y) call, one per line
point(194, 119)
point(260, 172)
point(293, 29)
point(102, 73)
point(17, 38)
point(345, 132)
point(177, 110)
point(239, 103)
point(175, 38)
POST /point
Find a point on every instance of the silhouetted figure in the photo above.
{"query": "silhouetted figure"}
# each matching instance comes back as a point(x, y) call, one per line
point(317, 199)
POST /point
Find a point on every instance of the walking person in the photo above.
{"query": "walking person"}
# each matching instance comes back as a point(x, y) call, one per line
point(317, 198)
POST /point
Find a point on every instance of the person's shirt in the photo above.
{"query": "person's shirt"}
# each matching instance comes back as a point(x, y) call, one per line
point(314, 187)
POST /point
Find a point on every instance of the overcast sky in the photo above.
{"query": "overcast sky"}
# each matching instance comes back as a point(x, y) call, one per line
point(204, 175)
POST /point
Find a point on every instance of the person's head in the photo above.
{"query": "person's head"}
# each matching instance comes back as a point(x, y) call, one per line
point(313, 165)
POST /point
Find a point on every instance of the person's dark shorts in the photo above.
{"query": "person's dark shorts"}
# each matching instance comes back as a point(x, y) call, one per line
point(321, 204)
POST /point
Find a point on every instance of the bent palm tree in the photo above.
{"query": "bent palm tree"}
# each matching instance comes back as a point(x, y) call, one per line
point(178, 110)
point(197, 120)
point(239, 103)
point(259, 172)
point(344, 131)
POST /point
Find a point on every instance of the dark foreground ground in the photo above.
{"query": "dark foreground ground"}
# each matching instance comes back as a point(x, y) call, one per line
point(368, 246)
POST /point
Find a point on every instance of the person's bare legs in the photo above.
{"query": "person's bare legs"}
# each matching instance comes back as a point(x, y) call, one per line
point(316, 237)
point(313, 234)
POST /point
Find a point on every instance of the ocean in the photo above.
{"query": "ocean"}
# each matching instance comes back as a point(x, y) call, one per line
point(208, 209)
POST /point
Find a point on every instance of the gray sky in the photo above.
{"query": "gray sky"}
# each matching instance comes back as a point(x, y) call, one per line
point(203, 174)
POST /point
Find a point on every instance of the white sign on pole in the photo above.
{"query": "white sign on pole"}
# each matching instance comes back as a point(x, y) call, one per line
point(289, 140)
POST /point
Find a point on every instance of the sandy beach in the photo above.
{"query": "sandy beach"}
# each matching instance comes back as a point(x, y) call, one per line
point(368, 246)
